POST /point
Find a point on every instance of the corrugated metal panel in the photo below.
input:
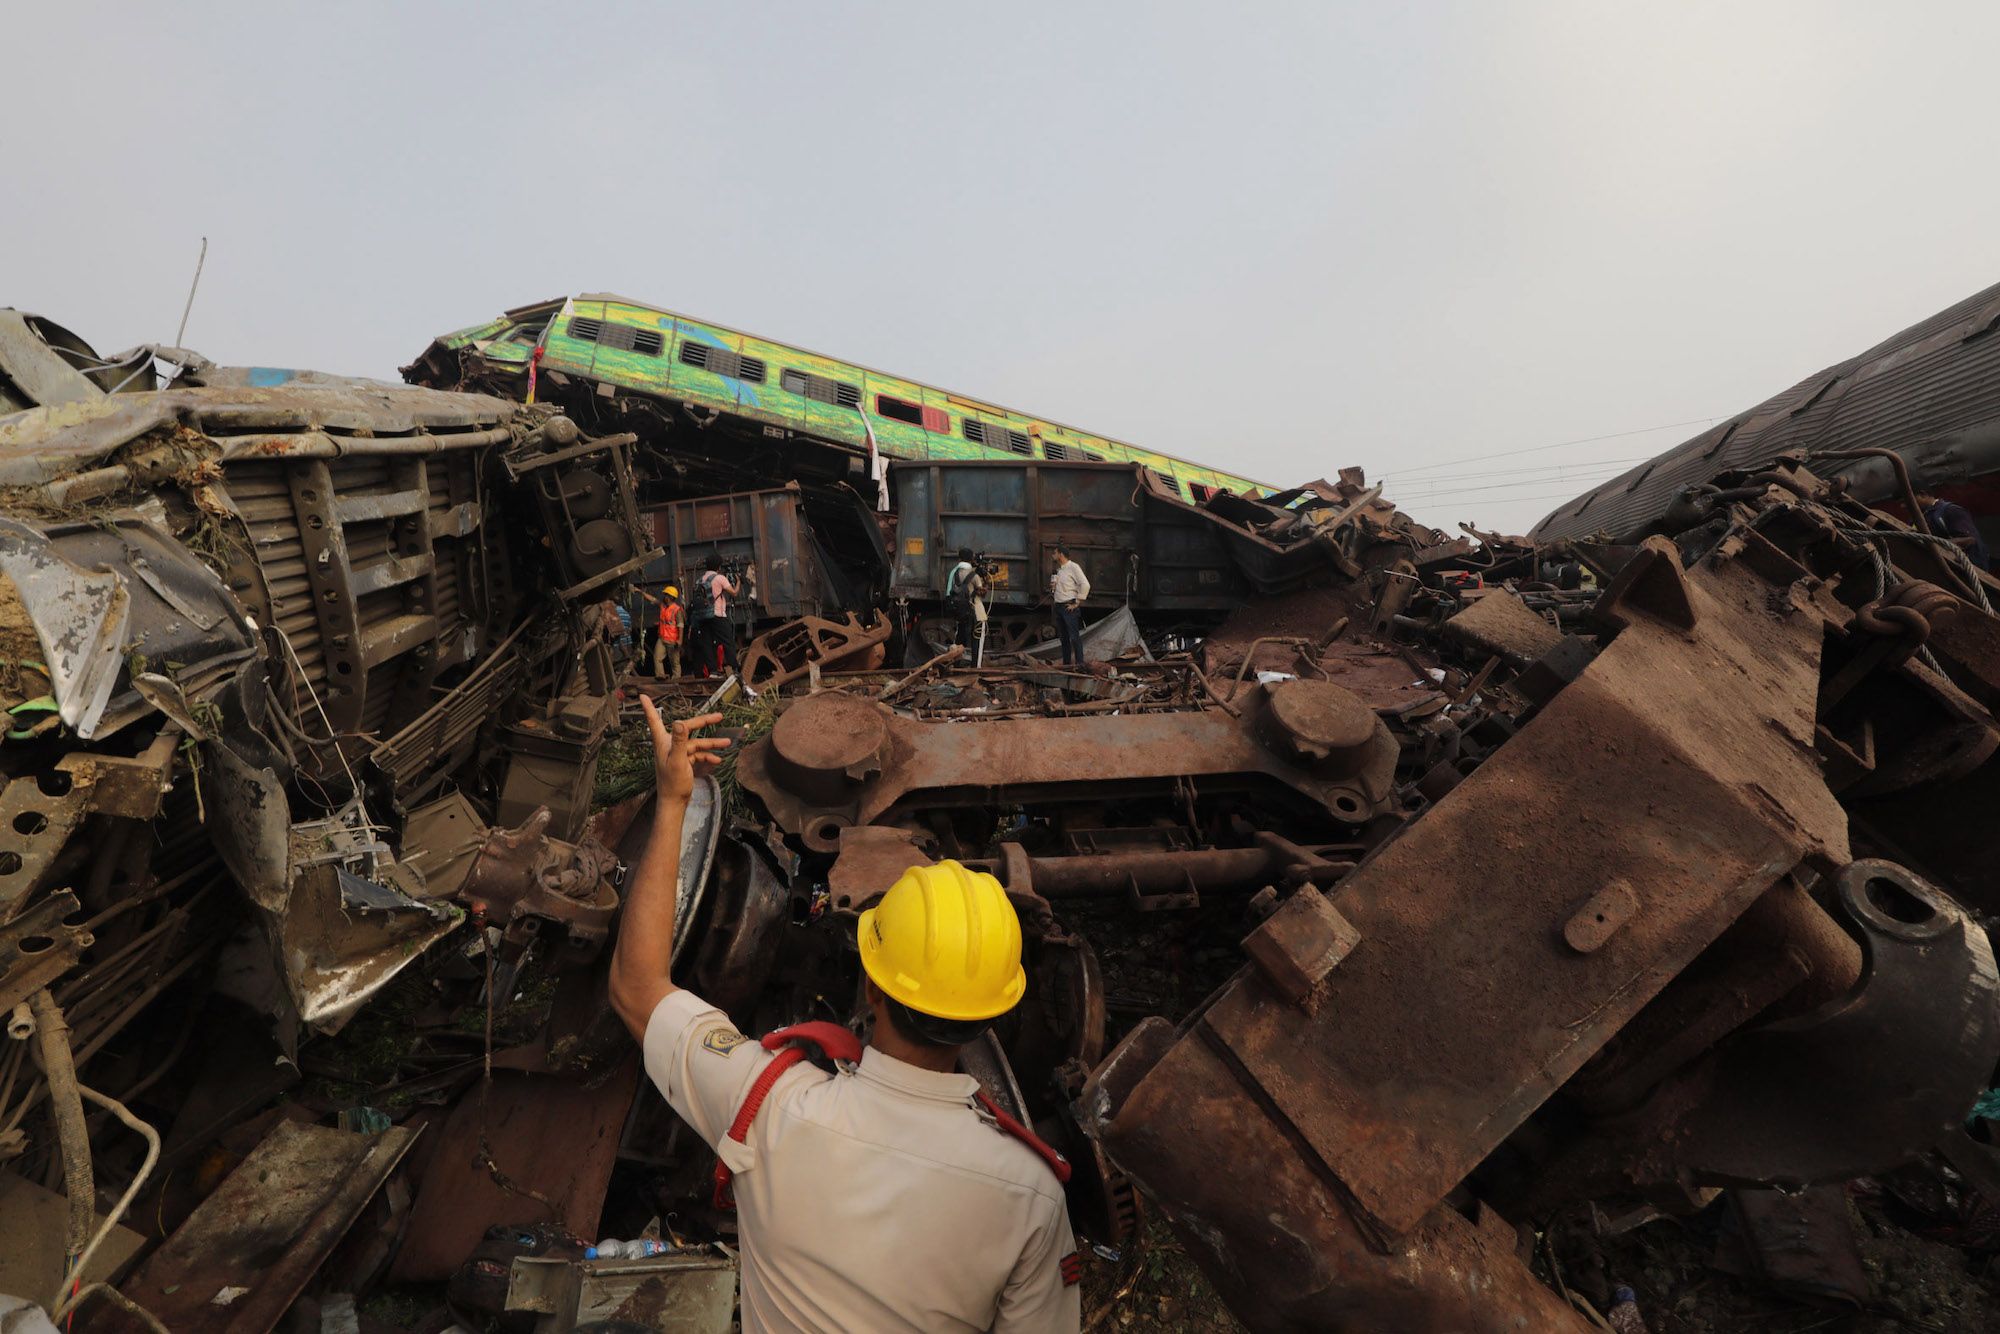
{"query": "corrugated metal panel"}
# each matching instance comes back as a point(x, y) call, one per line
point(1132, 545)
point(1922, 393)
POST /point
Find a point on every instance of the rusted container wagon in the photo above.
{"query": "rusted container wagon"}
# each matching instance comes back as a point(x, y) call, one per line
point(1137, 546)
point(775, 531)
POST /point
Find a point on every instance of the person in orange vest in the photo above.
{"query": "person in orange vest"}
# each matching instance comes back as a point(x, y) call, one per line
point(673, 621)
point(893, 1195)
point(673, 628)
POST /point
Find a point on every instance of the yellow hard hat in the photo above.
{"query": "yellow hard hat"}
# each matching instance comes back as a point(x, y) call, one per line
point(945, 942)
point(673, 592)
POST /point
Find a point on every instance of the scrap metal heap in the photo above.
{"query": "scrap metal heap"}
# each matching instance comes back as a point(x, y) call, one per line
point(1545, 893)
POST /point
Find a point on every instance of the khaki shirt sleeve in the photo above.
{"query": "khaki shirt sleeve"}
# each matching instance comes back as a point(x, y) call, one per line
point(703, 1067)
point(1038, 1296)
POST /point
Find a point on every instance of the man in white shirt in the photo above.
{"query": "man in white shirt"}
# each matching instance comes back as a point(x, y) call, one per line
point(890, 1196)
point(1068, 587)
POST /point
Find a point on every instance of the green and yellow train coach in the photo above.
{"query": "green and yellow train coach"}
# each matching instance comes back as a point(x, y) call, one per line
point(611, 344)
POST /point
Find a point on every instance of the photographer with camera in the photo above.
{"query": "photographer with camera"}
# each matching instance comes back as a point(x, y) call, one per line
point(964, 588)
point(711, 635)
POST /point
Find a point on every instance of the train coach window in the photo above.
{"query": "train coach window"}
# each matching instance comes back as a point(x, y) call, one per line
point(820, 389)
point(1000, 437)
point(933, 420)
point(899, 410)
point(1060, 453)
point(619, 337)
point(722, 362)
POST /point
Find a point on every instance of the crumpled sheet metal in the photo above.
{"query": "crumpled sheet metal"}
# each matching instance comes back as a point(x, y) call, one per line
point(36, 369)
point(96, 593)
point(331, 947)
point(78, 615)
point(1107, 639)
point(41, 444)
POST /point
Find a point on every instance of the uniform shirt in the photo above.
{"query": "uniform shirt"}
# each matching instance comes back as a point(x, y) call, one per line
point(671, 616)
point(875, 1199)
point(1068, 584)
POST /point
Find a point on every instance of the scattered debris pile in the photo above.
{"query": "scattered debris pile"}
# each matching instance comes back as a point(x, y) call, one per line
point(1490, 898)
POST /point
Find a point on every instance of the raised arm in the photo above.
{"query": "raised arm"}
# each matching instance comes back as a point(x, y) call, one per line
point(641, 962)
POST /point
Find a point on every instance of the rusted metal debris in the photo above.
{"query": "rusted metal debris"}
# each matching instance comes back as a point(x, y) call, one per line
point(244, 1255)
point(1540, 876)
point(810, 644)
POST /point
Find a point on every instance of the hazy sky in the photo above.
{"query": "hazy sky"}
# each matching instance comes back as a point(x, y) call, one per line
point(1276, 238)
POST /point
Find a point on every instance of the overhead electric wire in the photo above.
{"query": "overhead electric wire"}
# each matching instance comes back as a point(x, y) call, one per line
point(1552, 495)
point(1625, 461)
point(1581, 479)
point(1561, 445)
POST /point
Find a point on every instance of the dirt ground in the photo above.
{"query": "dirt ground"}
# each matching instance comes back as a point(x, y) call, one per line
point(1928, 1274)
point(1155, 1288)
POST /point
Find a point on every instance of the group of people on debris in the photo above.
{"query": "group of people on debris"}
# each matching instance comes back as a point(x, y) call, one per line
point(697, 642)
point(968, 586)
point(702, 641)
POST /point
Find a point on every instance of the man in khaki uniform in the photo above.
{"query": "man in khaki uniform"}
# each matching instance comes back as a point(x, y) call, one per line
point(881, 1198)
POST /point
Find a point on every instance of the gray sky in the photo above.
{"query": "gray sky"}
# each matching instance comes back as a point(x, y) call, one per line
point(1278, 239)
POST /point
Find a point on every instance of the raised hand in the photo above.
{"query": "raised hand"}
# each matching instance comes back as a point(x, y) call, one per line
point(678, 754)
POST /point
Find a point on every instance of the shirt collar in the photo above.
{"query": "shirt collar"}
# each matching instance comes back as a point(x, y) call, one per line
point(878, 1067)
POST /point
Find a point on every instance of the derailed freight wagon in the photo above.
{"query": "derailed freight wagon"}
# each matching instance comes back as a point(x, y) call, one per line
point(814, 555)
point(1135, 545)
point(1141, 545)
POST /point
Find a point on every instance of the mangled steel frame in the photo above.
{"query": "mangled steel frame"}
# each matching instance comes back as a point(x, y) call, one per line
point(285, 606)
point(1559, 896)
point(1609, 893)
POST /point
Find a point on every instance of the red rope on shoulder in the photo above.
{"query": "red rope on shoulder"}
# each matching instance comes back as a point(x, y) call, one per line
point(833, 1040)
point(1057, 1163)
point(836, 1042)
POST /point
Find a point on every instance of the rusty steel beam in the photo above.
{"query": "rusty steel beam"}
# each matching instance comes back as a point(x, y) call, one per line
point(835, 760)
point(1273, 1231)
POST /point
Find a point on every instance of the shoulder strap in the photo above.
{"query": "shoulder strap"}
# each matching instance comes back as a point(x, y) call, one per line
point(832, 1040)
point(1008, 1125)
point(841, 1045)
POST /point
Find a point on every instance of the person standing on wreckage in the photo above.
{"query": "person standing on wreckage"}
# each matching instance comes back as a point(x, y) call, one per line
point(893, 1195)
point(1068, 587)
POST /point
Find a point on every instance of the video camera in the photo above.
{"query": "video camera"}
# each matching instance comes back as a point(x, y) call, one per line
point(731, 569)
